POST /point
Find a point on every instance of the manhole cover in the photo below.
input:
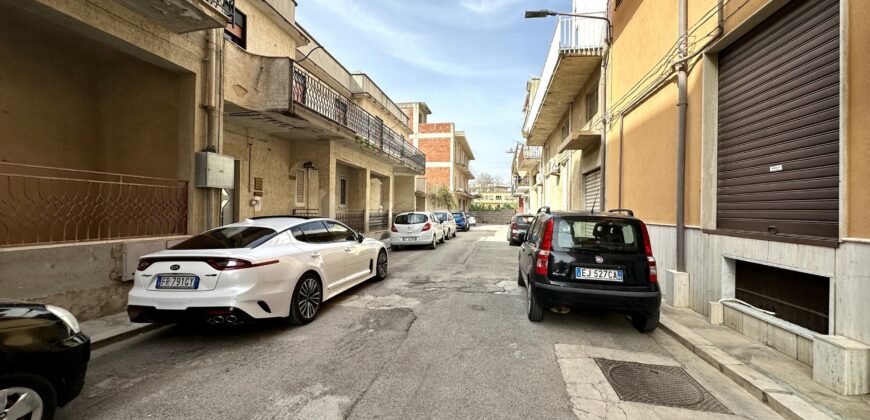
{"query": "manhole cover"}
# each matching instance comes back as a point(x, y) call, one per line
point(658, 385)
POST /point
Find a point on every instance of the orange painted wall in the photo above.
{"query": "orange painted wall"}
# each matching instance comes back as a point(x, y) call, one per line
point(858, 123)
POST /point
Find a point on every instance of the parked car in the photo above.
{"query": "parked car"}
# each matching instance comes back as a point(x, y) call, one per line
point(519, 224)
point(590, 260)
point(416, 228)
point(461, 221)
point(447, 223)
point(472, 221)
point(264, 267)
point(43, 359)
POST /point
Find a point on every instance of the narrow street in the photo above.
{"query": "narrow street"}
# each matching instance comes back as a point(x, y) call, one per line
point(444, 336)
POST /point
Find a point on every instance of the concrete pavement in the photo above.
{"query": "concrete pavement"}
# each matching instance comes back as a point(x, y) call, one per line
point(444, 336)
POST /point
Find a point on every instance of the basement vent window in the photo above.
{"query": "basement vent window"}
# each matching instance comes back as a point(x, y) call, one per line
point(796, 297)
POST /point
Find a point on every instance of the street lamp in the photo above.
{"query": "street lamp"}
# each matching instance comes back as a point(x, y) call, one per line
point(534, 14)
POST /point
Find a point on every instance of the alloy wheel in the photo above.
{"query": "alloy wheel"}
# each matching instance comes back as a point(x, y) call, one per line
point(309, 298)
point(20, 402)
point(382, 265)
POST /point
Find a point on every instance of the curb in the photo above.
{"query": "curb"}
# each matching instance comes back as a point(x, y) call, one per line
point(104, 339)
point(781, 400)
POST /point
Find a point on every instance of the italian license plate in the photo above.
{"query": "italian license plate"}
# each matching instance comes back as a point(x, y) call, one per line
point(584, 273)
point(177, 282)
point(411, 238)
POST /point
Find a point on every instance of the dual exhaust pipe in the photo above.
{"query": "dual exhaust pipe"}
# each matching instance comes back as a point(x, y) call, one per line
point(219, 319)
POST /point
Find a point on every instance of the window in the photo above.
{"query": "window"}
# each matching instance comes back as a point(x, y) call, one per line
point(316, 232)
point(297, 233)
point(498, 198)
point(591, 104)
point(565, 130)
point(300, 187)
point(228, 238)
point(411, 218)
point(611, 235)
point(236, 32)
point(340, 232)
point(342, 192)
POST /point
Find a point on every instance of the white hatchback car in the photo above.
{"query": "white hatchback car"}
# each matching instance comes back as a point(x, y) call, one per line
point(416, 228)
point(264, 267)
point(447, 222)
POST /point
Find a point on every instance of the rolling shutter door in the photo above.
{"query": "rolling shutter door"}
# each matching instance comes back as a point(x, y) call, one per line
point(592, 190)
point(778, 151)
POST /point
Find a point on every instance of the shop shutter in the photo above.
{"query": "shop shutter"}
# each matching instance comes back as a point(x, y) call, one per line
point(778, 151)
point(592, 190)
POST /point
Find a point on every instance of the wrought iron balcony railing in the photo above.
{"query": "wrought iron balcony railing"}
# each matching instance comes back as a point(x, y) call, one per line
point(528, 156)
point(314, 94)
point(228, 7)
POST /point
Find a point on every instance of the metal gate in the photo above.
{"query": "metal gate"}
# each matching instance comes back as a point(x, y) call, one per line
point(778, 154)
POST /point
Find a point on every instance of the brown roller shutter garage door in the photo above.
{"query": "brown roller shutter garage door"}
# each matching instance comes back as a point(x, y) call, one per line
point(778, 166)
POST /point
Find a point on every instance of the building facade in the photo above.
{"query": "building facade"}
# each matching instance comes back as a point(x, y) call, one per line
point(560, 162)
point(754, 193)
point(448, 155)
point(131, 124)
point(493, 197)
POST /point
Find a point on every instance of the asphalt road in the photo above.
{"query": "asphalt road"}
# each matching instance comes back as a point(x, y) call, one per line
point(444, 336)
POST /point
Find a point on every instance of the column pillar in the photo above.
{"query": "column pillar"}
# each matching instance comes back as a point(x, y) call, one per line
point(368, 192)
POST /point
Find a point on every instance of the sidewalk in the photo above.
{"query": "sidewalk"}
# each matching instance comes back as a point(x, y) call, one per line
point(783, 383)
point(113, 328)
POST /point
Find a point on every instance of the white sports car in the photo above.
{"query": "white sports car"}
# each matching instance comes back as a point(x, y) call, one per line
point(264, 267)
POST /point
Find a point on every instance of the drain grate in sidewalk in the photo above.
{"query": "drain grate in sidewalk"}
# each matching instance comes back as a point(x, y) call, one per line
point(658, 385)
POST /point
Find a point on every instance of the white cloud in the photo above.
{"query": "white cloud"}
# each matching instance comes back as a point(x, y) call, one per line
point(410, 47)
point(488, 6)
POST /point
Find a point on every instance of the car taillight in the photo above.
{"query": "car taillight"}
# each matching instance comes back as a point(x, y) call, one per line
point(393, 229)
point(542, 260)
point(514, 226)
point(224, 264)
point(427, 226)
point(651, 261)
point(143, 265)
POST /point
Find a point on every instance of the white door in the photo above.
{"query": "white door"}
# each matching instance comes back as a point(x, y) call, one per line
point(330, 256)
point(358, 262)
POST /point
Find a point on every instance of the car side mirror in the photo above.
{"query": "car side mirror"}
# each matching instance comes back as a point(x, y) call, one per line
point(521, 236)
point(360, 237)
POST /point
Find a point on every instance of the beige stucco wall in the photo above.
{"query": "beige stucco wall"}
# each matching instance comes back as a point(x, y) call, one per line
point(858, 125)
point(265, 36)
point(270, 160)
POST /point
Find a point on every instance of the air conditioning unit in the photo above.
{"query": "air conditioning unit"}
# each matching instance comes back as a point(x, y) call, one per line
point(555, 169)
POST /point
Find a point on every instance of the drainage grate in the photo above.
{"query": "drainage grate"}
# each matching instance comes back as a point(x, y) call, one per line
point(658, 385)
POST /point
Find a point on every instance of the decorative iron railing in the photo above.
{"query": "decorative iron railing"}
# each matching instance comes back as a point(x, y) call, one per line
point(306, 212)
point(314, 94)
point(378, 221)
point(355, 219)
point(228, 7)
point(42, 205)
point(528, 155)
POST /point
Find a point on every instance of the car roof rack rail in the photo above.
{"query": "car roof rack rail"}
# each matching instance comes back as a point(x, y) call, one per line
point(626, 211)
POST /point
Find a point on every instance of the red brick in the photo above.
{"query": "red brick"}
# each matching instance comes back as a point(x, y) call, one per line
point(436, 150)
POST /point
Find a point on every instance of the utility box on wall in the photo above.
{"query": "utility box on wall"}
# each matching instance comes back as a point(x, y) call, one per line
point(214, 170)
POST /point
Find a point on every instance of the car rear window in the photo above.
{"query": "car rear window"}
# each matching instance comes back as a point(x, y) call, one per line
point(596, 234)
point(228, 238)
point(411, 219)
point(458, 216)
point(525, 220)
point(442, 217)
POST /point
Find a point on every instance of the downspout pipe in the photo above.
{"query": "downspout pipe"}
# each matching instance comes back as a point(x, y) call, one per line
point(605, 123)
point(681, 136)
point(211, 109)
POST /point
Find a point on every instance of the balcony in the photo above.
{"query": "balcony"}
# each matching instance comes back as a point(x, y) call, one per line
point(574, 57)
point(528, 157)
point(182, 16)
point(278, 96)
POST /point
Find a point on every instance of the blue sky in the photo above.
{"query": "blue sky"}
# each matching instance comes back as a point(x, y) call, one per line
point(467, 59)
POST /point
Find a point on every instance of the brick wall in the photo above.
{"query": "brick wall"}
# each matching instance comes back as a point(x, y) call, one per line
point(436, 150)
point(436, 177)
point(409, 111)
point(436, 128)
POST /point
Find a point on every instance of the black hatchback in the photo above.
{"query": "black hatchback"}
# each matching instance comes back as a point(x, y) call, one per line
point(600, 260)
point(43, 359)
